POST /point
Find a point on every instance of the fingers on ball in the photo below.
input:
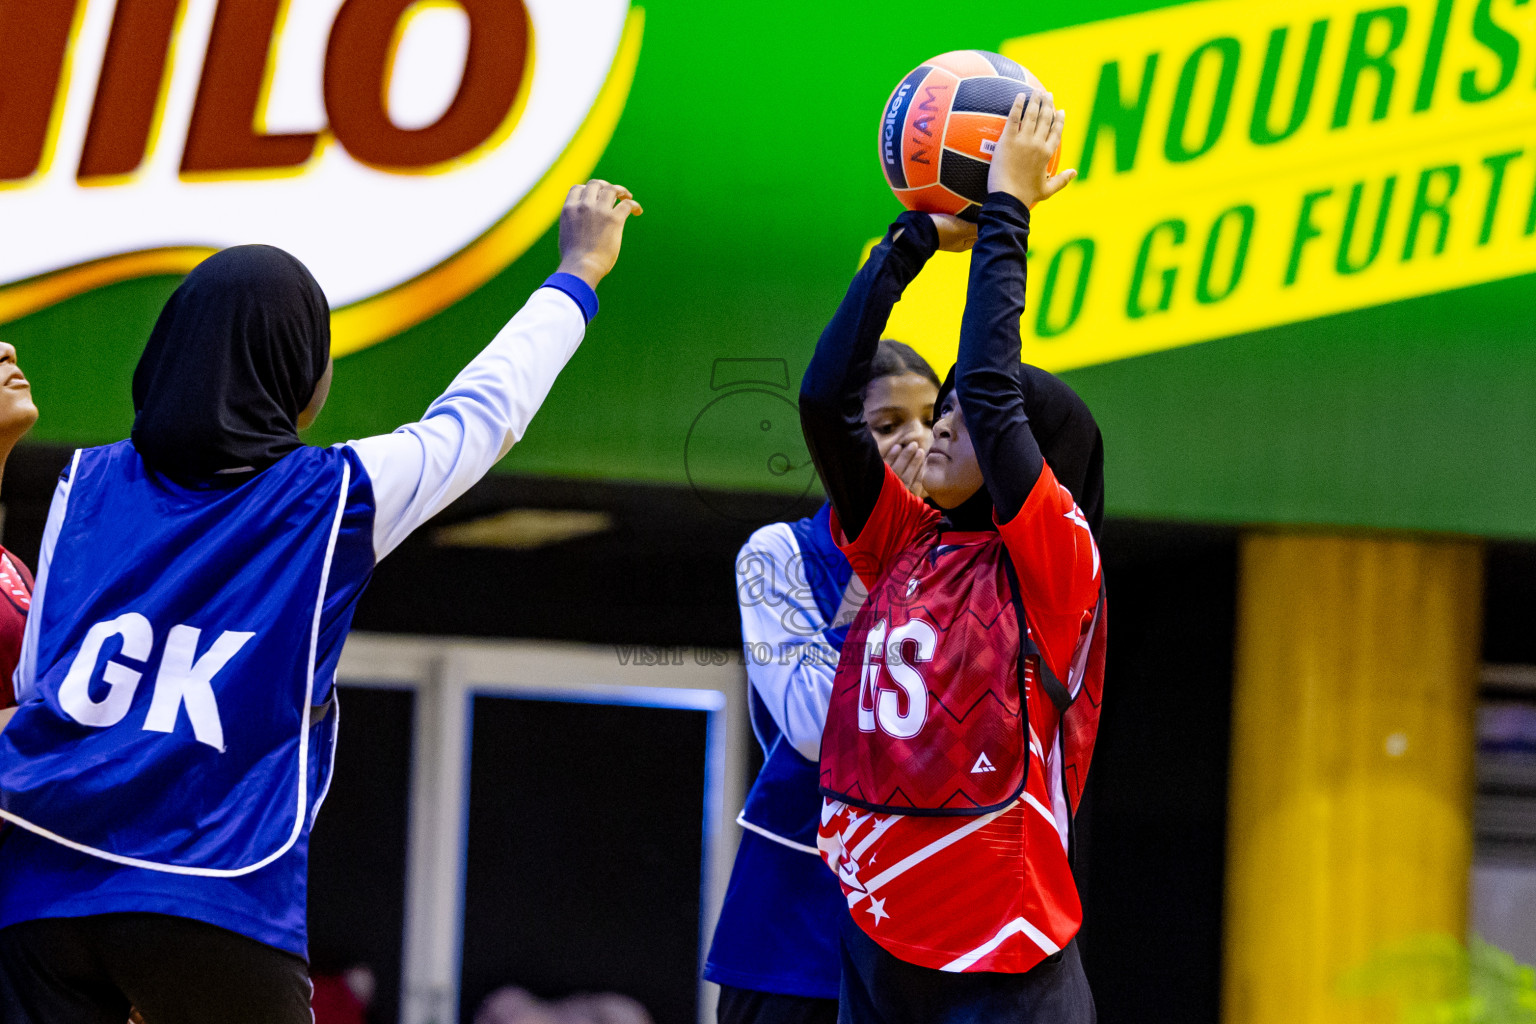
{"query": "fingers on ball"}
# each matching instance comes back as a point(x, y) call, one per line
point(1032, 112)
point(1053, 136)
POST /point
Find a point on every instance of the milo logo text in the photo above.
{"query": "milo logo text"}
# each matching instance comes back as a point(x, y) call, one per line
point(156, 131)
point(222, 137)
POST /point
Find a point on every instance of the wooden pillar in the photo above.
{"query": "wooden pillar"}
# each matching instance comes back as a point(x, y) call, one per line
point(1350, 823)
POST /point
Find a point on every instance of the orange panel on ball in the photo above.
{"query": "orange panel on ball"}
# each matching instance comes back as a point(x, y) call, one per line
point(933, 199)
point(975, 135)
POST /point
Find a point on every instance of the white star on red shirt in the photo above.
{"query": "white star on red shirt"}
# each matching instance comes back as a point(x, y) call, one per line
point(1076, 516)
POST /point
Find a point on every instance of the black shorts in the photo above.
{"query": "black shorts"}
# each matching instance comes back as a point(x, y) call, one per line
point(879, 988)
point(746, 1006)
point(91, 970)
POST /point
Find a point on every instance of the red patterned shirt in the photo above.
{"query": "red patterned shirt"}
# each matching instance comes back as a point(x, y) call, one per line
point(15, 602)
point(926, 717)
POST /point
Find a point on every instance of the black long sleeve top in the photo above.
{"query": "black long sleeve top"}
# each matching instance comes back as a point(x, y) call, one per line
point(831, 402)
point(986, 373)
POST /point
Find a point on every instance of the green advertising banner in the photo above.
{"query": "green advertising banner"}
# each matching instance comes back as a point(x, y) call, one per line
point(1294, 281)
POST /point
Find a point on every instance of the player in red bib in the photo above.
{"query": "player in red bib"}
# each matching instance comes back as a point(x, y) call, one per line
point(17, 414)
point(966, 701)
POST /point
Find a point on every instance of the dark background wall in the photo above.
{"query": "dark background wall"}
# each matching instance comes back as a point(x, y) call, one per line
point(1154, 827)
point(357, 849)
point(584, 850)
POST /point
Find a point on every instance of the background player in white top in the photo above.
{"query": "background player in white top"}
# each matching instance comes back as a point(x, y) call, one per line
point(775, 949)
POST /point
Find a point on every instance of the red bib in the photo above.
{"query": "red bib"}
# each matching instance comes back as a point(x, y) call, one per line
point(16, 588)
point(927, 715)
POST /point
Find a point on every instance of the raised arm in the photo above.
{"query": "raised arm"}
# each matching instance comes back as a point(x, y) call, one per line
point(422, 467)
point(831, 406)
point(1047, 536)
point(986, 372)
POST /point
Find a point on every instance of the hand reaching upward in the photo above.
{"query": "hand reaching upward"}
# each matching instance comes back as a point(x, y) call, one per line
point(1021, 163)
point(592, 228)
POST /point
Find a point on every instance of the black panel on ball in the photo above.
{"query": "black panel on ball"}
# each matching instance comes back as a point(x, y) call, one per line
point(964, 176)
point(1003, 66)
point(987, 95)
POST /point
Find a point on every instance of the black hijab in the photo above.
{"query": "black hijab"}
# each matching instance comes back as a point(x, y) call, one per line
point(1068, 437)
point(232, 361)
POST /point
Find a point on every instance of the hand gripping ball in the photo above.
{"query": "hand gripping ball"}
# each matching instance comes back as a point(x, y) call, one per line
point(941, 126)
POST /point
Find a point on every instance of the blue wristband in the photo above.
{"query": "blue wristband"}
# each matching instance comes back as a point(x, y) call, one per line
point(579, 291)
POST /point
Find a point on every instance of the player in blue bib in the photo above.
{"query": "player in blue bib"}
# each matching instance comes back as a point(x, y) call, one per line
point(775, 950)
point(177, 713)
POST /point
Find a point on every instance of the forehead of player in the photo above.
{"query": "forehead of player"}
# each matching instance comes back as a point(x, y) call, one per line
point(898, 400)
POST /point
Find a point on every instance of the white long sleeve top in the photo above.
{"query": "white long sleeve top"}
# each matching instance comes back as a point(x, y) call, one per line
point(790, 664)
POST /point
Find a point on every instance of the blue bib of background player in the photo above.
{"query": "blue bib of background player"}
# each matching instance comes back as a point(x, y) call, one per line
point(176, 632)
point(785, 799)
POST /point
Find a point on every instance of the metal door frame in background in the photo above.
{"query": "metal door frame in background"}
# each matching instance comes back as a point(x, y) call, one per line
point(446, 674)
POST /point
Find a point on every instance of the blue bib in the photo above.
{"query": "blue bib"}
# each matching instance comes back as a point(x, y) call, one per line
point(168, 727)
point(778, 928)
point(827, 571)
point(785, 800)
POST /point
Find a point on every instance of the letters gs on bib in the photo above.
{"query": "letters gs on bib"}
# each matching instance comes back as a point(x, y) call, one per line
point(885, 655)
point(185, 678)
point(222, 138)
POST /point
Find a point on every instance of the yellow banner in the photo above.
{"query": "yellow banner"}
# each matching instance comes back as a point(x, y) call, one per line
point(1247, 164)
